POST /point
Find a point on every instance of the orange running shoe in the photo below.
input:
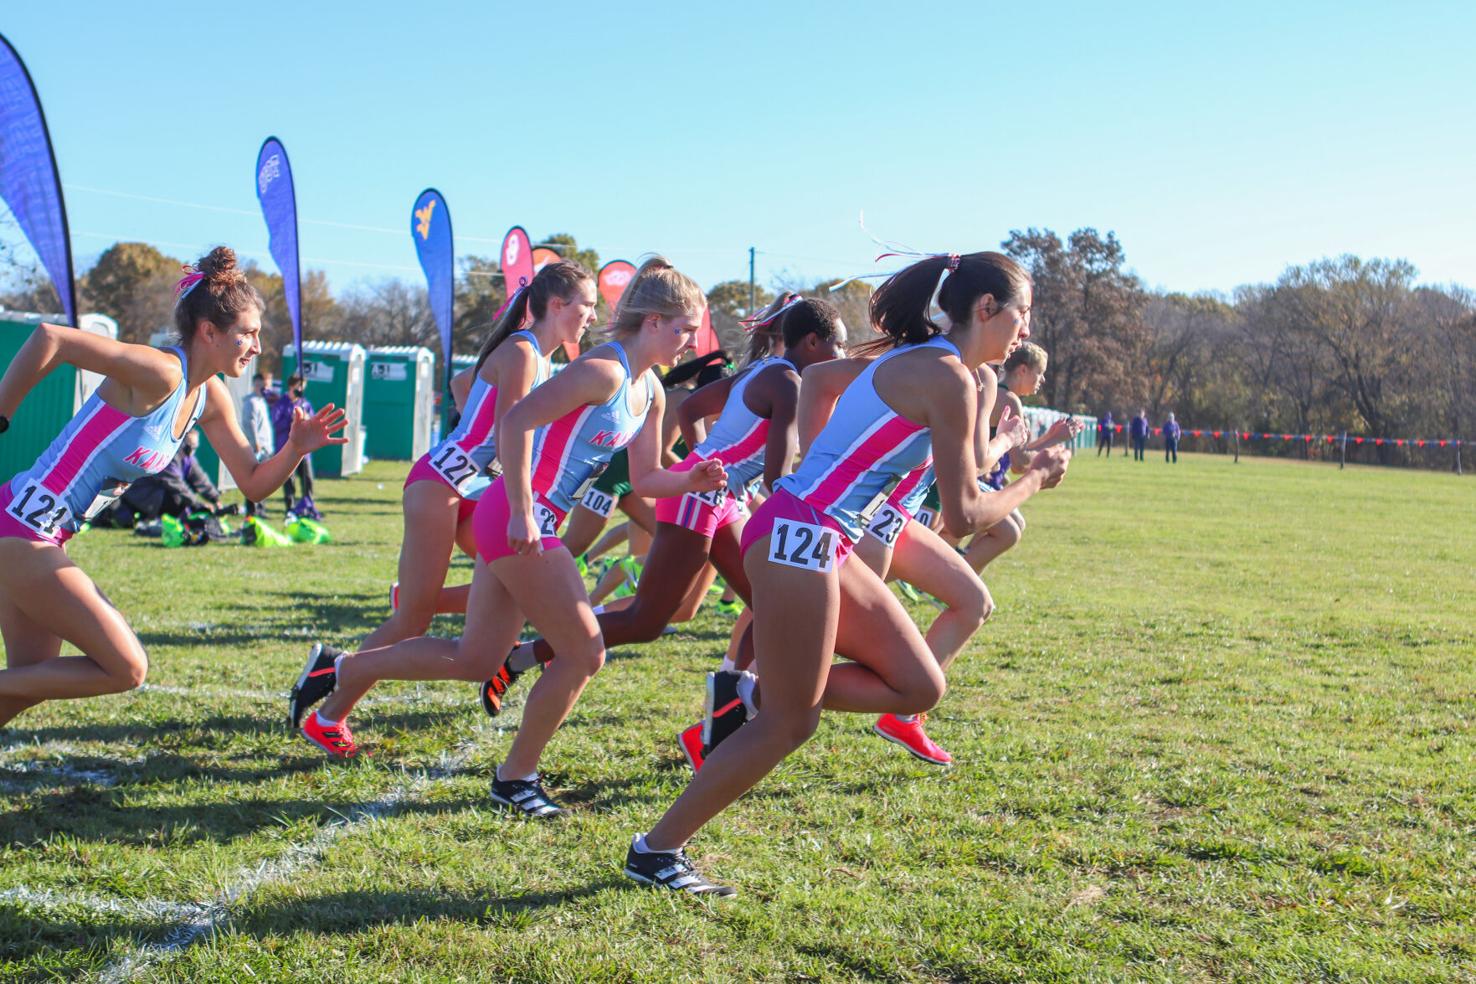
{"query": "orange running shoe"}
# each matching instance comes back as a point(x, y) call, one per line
point(910, 735)
point(691, 742)
point(335, 739)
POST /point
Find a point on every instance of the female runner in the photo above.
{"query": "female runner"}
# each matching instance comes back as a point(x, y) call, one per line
point(918, 398)
point(130, 427)
point(604, 400)
point(443, 486)
point(754, 438)
point(1022, 374)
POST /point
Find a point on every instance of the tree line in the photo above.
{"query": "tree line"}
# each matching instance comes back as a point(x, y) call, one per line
point(1337, 345)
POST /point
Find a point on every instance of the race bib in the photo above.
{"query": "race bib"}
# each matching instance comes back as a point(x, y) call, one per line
point(546, 520)
point(714, 498)
point(876, 501)
point(802, 545)
point(453, 465)
point(887, 524)
point(38, 508)
point(589, 481)
point(602, 504)
point(925, 517)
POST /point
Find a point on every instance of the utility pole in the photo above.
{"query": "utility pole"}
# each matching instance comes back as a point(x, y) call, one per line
point(752, 290)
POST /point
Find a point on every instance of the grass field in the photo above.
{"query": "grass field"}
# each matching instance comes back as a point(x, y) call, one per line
point(1220, 728)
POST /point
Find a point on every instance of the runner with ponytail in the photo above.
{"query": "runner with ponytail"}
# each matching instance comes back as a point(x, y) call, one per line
point(919, 396)
point(443, 487)
point(754, 439)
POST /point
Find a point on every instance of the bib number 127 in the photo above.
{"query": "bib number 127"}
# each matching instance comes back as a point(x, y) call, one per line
point(802, 545)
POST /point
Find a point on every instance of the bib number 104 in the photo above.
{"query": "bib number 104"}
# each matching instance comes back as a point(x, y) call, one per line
point(39, 509)
point(802, 545)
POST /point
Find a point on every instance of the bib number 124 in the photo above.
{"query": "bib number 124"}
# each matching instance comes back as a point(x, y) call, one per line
point(802, 545)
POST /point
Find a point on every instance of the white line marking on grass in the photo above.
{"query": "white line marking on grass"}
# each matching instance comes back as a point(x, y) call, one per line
point(214, 693)
point(145, 908)
point(206, 917)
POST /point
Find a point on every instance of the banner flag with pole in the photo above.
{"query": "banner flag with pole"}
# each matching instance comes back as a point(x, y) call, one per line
point(430, 228)
point(612, 280)
point(29, 183)
point(279, 208)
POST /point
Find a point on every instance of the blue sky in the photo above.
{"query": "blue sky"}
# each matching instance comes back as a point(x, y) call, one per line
point(1221, 142)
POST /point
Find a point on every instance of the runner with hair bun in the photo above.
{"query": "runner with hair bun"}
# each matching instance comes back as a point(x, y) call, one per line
point(754, 438)
point(131, 426)
point(443, 487)
point(920, 397)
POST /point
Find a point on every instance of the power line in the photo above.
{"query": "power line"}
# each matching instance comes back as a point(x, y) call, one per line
point(241, 211)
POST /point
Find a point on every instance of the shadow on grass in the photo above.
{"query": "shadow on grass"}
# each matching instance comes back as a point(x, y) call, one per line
point(91, 814)
point(354, 912)
point(140, 734)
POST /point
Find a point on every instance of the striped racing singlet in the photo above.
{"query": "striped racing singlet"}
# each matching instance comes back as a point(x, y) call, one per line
point(570, 453)
point(863, 452)
point(462, 458)
point(100, 452)
point(739, 437)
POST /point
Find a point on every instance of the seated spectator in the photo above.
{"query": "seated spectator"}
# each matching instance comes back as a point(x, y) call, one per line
point(181, 488)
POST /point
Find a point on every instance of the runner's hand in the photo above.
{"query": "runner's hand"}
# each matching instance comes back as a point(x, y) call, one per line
point(707, 476)
point(308, 434)
point(1012, 427)
point(1052, 464)
point(523, 536)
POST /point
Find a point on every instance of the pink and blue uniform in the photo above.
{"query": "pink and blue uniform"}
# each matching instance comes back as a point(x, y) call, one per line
point(738, 439)
point(568, 455)
point(462, 458)
point(888, 522)
point(856, 462)
point(91, 463)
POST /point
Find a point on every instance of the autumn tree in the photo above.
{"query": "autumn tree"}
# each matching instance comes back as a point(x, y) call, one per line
point(133, 283)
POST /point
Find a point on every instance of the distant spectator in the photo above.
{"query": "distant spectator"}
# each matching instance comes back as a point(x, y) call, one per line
point(1138, 430)
point(181, 488)
point(1171, 433)
point(1104, 434)
point(256, 421)
point(282, 411)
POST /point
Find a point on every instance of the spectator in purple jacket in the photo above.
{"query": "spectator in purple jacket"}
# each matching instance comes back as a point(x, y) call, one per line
point(1104, 434)
point(1138, 430)
point(282, 411)
point(1171, 433)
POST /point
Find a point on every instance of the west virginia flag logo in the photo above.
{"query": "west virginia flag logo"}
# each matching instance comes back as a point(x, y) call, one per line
point(423, 219)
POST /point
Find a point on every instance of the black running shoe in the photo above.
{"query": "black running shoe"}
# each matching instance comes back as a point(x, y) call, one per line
point(495, 689)
point(525, 796)
point(723, 712)
point(317, 682)
point(671, 870)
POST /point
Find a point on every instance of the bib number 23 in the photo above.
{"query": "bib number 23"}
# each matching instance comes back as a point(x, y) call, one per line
point(802, 545)
point(39, 509)
point(887, 524)
point(548, 523)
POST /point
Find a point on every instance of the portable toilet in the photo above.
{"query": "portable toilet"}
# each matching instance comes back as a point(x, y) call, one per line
point(399, 402)
point(334, 372)
point(51, 403)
